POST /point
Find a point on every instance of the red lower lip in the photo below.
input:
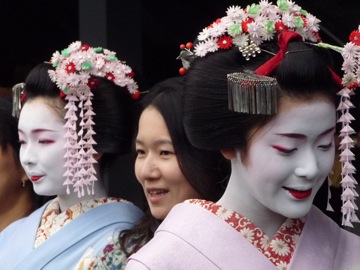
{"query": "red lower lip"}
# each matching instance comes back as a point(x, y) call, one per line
point(299, 194)
point(35, 178)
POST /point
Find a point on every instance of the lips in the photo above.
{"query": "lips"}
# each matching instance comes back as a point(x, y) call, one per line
point(157, 192)
point(36, 178)
point(299, 194)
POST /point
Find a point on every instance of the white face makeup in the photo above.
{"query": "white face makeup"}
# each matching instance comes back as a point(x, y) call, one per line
point(156, 166)
point(42, 151)
point(288, 159)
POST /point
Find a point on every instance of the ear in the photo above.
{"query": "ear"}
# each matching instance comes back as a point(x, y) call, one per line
point(97, 156)
point(229, 153)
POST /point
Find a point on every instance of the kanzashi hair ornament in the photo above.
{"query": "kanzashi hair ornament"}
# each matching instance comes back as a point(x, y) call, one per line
point(17, 96)
point(350, 80)
point(251, 93)
point(76, 69)
point(247, 28)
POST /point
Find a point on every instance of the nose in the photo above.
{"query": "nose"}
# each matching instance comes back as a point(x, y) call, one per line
point(308, 166)
point(27, 155)
point(148, 168)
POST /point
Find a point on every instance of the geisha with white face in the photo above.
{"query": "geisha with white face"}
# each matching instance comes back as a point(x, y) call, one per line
point(285, 163)
point(41, 134)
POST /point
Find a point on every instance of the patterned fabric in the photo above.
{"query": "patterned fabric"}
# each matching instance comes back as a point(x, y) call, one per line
point(279, 250)
point(112, 256)
point(53, 220)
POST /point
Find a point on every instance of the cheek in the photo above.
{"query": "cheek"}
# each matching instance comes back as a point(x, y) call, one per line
point(137, 170)
point(326, 163)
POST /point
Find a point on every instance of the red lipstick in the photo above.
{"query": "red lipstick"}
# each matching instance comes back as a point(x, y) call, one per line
point(35, 178)
point(299, 194)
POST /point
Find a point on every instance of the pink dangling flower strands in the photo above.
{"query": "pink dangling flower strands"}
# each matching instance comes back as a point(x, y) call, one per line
point(351, 67)
point(74, 68)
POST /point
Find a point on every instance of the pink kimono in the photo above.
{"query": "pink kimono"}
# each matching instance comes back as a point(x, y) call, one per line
point(192, 237)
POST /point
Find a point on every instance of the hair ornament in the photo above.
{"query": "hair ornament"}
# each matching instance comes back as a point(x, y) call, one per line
point(350, 81)
point(75, 73)
point(247, 28)
point(252, 93)
point(18, 94)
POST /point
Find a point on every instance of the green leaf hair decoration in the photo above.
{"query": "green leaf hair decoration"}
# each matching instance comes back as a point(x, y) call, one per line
point(253, 10)
point(283, 5)
point(235, 29)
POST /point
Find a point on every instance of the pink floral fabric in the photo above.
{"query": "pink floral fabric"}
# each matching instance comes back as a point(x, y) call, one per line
point(53, 220)
point(278, 250)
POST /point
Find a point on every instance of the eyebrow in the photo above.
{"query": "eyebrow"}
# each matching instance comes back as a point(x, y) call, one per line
point(39, 130)
point(157, 142)
point(302, 136)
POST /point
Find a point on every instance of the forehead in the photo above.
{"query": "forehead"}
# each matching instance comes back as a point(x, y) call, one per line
point(39, 113)
point(307, 117)
point(152, 123)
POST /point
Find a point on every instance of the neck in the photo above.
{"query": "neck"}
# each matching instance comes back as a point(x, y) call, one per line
point(68, 200)
point(238, 198)
point(15, 207)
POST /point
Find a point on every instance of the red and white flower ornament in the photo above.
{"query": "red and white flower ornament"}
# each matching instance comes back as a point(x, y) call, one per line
point(76, 69)
point(247, 28)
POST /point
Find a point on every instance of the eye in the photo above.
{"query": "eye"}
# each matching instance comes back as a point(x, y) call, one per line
point(21, 142)
point(46, 141)
point(326, 146)
point(284, 150)
point(165, 153)
point(140, 152)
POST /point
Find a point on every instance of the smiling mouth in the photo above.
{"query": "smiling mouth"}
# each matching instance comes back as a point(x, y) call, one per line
point(299, 194)
point(36, 178)
point(157, 192)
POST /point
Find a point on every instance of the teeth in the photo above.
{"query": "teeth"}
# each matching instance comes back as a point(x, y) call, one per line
point(157, 192)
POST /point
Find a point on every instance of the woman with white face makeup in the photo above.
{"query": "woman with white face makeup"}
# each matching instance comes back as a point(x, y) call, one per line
point(257, 93)
point(77, 115)
point(17, 196)
point(167, 166)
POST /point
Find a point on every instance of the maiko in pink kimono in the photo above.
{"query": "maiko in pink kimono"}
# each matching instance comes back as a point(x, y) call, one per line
point(261, 92)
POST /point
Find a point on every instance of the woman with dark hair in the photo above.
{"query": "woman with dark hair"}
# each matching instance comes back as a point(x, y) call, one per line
point(17, 196)
point(167, 166)
point(77, 113)
point(274, 117)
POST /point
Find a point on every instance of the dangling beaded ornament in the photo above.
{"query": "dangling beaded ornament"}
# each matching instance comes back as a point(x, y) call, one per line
point(351, 80)
point(76, 69)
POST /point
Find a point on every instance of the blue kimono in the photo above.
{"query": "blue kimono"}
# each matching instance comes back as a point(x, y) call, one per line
point(86, 235)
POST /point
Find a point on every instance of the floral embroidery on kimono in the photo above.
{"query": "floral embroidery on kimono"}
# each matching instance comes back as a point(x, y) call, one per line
point(53, 220)
point(278, 250)
point(112, 256)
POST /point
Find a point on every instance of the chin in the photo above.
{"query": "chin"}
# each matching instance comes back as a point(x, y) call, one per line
point(298, 213)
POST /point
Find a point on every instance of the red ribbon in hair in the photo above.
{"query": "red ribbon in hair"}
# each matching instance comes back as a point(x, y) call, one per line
point(283, 40)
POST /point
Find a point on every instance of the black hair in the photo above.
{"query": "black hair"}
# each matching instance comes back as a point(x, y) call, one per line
point(206, 171)
point(209, 123)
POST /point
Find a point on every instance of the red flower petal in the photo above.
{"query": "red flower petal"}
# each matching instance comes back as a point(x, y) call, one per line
point(93, 83)
point(70, 68)
point(110, 76)
point(355, 37)
point(131, 74)
point(279, 26)
point(85, 47)
point(244, 24)
point(225, 42)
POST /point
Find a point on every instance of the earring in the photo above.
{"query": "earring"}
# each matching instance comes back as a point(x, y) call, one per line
point(23, 182)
